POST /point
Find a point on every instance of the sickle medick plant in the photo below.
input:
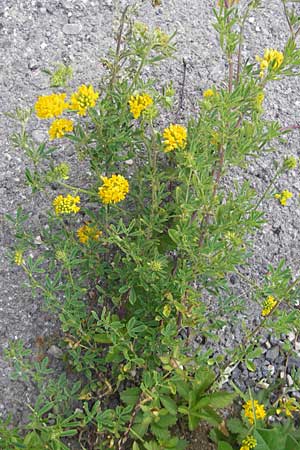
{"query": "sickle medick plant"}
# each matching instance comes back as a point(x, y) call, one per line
point(132, 260)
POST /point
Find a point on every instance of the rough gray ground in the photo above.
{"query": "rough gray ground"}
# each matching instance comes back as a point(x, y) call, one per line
point(34, 35)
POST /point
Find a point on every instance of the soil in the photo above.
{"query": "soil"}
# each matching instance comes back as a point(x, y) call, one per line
point(199, 439)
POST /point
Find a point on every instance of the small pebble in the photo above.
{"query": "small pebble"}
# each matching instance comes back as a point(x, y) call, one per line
point(290, 381)
point(55, 352)
point(72, 28)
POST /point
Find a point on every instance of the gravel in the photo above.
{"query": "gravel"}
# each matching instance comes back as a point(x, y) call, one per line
point(37, 35)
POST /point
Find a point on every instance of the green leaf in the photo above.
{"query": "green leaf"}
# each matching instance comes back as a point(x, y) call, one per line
point(222, 445)
point(169, 404)
point(132, 296)
point(236, 426)
point(250, 365)
point(102, 338)
point(174, 235)
point(130, 396)
point(221, 399)
point(291, 443)
point(135, 446)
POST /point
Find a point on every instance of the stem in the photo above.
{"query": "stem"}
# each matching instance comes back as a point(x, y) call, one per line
point(119, 39)
point(230, 62)
point(241, 39)
point(277, 173)
point(181, 95)
point(286, 13)
point(75, 188)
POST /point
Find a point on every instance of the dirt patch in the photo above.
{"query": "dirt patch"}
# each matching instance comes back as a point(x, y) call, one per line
point(199, 439)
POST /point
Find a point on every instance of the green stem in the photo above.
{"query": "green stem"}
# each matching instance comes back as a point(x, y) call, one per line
point(77, 189)
point(277, 173)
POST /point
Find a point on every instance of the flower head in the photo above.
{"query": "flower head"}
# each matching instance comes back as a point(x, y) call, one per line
point(283, 197)
point(268, 306)
point(290, 163)
point(272, 59)
point(19, 260)
point(88, 232)
point(84, 98)
point(66, 205)
point(59, 127)
point(287, 406)
point(253, 409)
point(248, 443)
point(208, 93)
point(174, 137)
point(62, 171)
point(48, 106)
point(114, 189)
point(138, 104)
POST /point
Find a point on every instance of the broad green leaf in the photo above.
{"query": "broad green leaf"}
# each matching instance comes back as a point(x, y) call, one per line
point(102, 338)
point(169, 404)
point(130, 396)
point(236, 426)
point(221, 399)
point(291, 443)
point(222, 445)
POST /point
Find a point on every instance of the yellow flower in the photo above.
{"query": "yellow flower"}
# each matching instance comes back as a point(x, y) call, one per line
point(254, 409)
point(59, 127)
point(114, 189)
point(19, 260)
point(49, 106)
point(283, 197)
point(87, 232)
point(138, 103)
point(288, 406)
point(174, 137)
point(248, 443)
point(66, 205)
point(84, 98)
point(208, 93)
point(61, 171)
point(290, 163)
point(272, 58)
point(268, 306)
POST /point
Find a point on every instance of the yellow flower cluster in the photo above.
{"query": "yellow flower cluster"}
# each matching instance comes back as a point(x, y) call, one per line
point(290, 163)
point(272, 58)
point(288, 406)
point(19, 260)
point(62, 171)
point(208, 93)
point(59, 127)
point(254, 409)
point(84, 98)
point(138, 104)
point(268, 305)
point(114, 189)
point(87, 232)
point(49, 106)
point(174, 137)
point(66, 205)
point(248, 443)
point(283, 197)
point(259, 100)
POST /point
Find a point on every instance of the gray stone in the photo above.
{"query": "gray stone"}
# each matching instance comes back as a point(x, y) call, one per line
point(289, 380)
point(273, 353)
point(72, 28)
point(39, 135)
point(55, 352)
point(293, 362)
